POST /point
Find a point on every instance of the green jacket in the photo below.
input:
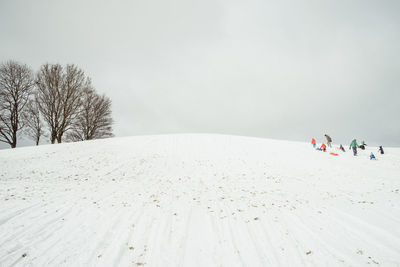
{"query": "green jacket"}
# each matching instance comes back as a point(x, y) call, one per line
point(354, 143)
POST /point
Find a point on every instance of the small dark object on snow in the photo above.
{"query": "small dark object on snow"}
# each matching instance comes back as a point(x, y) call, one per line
point(24, 255)
point(363, 145)
point(342, 148)
point(308, 252)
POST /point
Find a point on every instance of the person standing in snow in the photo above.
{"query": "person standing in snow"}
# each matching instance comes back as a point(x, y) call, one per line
point(354, 146)
point(328, 140)
point(323, 147)
point(381, 150)
point(313, 142)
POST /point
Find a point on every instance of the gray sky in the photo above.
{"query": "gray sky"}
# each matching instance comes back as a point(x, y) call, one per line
point(278, 69)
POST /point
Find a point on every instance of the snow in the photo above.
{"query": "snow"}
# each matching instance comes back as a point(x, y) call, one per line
point(198, 200)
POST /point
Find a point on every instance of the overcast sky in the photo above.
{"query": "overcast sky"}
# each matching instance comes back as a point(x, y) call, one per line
point(277, 69)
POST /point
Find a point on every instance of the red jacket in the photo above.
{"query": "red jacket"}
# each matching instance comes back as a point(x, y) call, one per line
point(313, 141)
point(323, 146)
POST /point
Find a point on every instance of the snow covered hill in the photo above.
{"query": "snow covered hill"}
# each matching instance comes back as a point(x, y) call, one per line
point(198, 200)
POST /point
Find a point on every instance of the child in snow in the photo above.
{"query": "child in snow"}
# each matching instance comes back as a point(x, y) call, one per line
point(372, 156)
point(313, 142)
point(354, 146)
point(342, 148)
point(363, 145)
point(323, 147)
point(381, 150)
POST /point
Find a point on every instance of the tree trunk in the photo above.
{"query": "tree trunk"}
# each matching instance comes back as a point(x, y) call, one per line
point(14, 140)
point(53, 138)
point(59, 138)
point(38, 134)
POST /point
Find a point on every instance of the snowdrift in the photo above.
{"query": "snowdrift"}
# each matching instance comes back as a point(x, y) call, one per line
point(198, 200)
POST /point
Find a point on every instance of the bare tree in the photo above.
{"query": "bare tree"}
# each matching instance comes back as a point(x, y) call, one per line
point(94, 120)
point(33, 121)
point(59, 94)
point(49, 83)
point(16, 83)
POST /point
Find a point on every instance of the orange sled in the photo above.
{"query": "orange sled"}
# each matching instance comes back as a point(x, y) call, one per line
point(334, 154)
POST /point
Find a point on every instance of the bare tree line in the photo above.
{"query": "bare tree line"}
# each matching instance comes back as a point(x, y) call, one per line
point(58, 102)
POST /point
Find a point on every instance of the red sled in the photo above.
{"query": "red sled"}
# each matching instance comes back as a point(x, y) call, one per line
point(334, 154)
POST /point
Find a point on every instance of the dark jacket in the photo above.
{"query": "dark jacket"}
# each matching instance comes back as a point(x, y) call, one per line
point(328, 138)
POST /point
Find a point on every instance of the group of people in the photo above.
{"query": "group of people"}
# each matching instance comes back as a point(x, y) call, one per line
point(323, 146)
point(353, 146)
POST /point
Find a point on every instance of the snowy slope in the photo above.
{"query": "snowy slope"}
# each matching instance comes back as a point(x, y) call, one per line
point(197, 200)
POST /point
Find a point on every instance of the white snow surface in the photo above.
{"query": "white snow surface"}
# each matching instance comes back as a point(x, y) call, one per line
point(198, 200)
